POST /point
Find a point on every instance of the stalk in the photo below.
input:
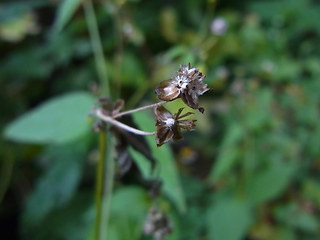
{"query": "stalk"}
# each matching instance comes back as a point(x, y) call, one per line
point(95, 38)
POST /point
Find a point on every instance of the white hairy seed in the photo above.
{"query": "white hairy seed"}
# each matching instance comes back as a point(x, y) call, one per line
point(169, 122)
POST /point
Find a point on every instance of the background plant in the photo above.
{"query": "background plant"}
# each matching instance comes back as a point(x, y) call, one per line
point(251, 170)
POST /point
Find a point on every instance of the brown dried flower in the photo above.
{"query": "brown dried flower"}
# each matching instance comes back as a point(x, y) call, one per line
point(157, 224)
point(169, 126)
point(187, 84)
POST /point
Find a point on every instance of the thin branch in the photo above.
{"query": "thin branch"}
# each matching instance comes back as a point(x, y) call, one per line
point(118, 124)
point(139, 109)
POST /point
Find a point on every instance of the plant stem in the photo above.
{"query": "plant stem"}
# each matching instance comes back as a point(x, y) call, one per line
point(104, 185)
point(118, 124)
point(6, 173)
point(139, 109)
point(99, 181)
point(108, 186)
point(97, 46)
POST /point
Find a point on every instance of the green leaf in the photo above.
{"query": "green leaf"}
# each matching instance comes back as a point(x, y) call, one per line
point(269, 183)
point(228, 153)
point(58, 184)
point(165, 161)
point(66, 10)
point(72, 221)
point(228, 219)
point(127, 219)
point(59, 120)
point(292, 215)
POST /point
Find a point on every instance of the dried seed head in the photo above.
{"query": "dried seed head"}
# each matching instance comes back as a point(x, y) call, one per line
point(157, 224)
point(187, 84)
point(169, 126)
point(109, 107)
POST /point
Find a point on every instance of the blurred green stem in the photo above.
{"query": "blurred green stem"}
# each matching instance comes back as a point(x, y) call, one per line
point(97, 47)
point(6, 173)
point(104, 185)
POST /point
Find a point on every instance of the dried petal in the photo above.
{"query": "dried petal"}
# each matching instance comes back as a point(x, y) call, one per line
point(167, 91)
point(168, 126)
point(164, 134)
point(162, 114)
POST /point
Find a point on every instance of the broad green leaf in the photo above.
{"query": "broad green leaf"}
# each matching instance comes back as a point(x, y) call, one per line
point(72, 221)
point(228, 152)
point(66, 10)
point(58, 184)
point(269, 183)
point(59, 120)
point(165, 162)
point(228, 219)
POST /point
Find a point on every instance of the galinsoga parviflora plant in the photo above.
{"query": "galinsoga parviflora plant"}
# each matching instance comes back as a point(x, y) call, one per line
point(186, 84)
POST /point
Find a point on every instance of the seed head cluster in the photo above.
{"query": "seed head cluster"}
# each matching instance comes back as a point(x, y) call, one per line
point(187, 84)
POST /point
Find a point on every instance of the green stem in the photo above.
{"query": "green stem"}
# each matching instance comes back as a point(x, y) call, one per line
point(97, 46)
point(6, 174)
point(99, 181)
point(104, 185)
point(108, 186)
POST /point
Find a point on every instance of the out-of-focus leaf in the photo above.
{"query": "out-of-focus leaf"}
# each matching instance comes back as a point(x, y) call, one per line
point(295, 217)
point(138, 142)
point(269, 183)
point(168, 20)
point(59, 120)
point(165, 161)
point(66, 10)
point(311, 190)
point(258, 112)
point(132, 72)
point(228, 152)
point(57, 186)
point(127, 219)
point(228, 219)
point(15, 9)
point(16, 29)
point(72, 221)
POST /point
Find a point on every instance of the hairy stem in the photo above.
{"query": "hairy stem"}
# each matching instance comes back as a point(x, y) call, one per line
point(97, 46)
point(118, 124)
point(139, 109)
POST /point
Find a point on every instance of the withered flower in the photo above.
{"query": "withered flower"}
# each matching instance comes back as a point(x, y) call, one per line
point(187, 84)
point(169, 126)
point(157, 224)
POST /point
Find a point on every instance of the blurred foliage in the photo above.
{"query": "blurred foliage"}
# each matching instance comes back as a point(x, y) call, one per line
point(250, 171)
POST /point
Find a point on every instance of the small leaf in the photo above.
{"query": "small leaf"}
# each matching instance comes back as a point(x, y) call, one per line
point(58, 120)
point(228, 152)
point(228, 219)
point(165, 160)
point(269, 183)
point(292, 215)
point(66, 10)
